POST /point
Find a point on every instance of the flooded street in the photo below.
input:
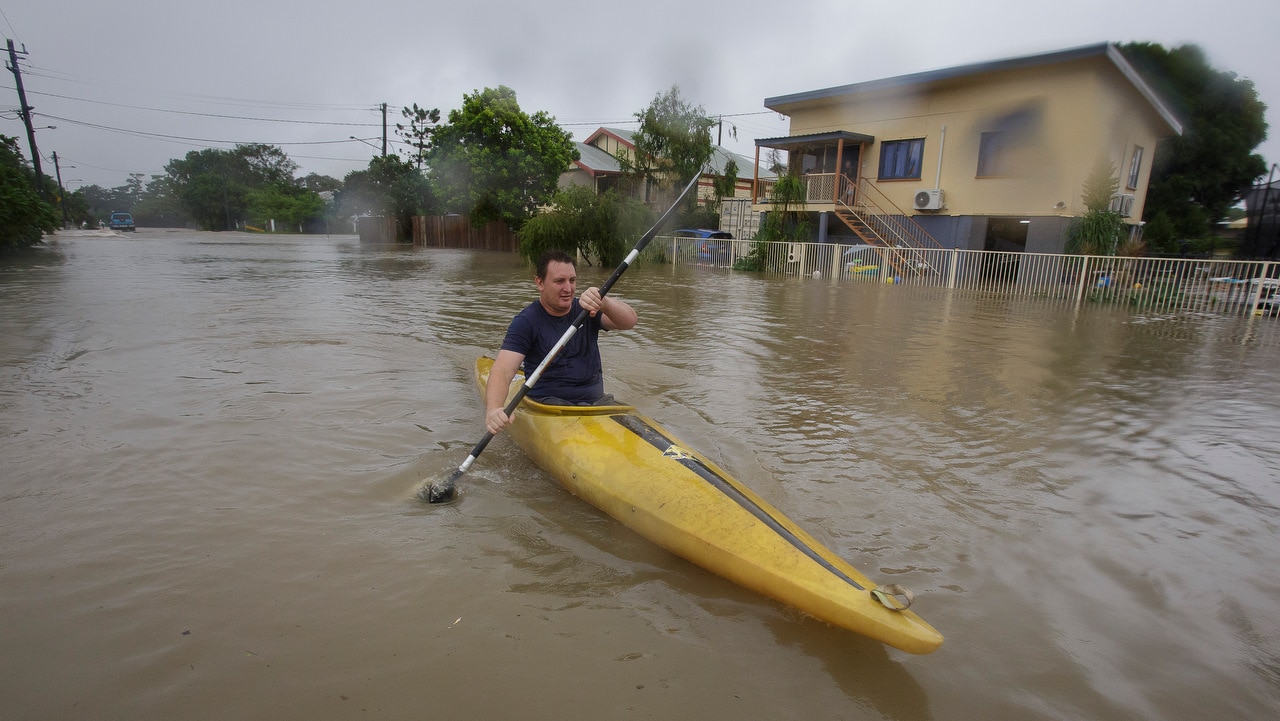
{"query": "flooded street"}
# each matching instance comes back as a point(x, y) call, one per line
point(211, 445)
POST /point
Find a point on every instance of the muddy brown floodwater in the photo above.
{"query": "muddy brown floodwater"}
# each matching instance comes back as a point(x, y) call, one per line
point(211, 445)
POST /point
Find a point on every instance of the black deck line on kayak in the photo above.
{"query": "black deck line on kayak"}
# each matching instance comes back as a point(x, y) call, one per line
point(655, 438)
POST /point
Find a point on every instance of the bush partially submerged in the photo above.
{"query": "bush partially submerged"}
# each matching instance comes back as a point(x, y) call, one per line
point(600, 227)
point(24, 216)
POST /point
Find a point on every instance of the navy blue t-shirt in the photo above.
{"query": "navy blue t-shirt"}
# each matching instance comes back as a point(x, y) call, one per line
point(575, 375)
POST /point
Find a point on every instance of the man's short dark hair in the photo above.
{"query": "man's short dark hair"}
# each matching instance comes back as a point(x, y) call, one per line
point(558, 256)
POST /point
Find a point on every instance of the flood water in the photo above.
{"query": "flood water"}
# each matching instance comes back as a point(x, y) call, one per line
point(210, 445)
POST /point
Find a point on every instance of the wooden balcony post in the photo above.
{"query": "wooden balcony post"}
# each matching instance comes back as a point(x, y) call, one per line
point(835, 191)
point(755, 179)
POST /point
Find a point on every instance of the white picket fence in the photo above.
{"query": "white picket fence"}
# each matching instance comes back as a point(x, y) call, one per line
point(1174, 284)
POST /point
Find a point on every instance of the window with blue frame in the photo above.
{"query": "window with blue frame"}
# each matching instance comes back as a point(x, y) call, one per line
point(901, 159)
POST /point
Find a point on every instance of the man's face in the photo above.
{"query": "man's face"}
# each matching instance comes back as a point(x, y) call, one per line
point(556, 291)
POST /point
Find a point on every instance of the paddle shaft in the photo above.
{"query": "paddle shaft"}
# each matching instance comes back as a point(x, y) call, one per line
point(445, 491)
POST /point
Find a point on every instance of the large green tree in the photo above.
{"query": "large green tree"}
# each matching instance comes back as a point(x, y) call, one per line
point(422, 122)
point(492, 161)
point(24, 215)
point(76, 208)
point(102, 200)
point(160, 206)
point(153, 204)
point(215, 185)
point(318, 183)
point(672, 144)
point(391, 186)
point(291, 208)
point(1197, 176)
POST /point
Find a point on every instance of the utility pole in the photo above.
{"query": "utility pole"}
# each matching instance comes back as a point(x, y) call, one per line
point(62, 192)
point(384, 130)
point(25, 111)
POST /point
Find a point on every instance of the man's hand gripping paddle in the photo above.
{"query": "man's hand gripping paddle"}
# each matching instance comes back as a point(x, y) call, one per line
point(447, 490)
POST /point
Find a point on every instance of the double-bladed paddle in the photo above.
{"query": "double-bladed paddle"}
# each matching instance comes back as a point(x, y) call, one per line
point(447, 490)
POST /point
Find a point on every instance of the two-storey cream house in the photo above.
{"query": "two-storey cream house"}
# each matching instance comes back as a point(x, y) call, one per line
point(988, 156)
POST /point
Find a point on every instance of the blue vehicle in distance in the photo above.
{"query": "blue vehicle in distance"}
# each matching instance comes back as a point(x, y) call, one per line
point(121, 222)
point(712, 248)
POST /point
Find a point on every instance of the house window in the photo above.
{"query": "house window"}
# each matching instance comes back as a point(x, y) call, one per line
point(901, 159)
point(993, 154)
point(1135, 167)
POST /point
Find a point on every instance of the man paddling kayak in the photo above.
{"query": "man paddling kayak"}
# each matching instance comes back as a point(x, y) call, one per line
point(575, 377)
point(612, 315)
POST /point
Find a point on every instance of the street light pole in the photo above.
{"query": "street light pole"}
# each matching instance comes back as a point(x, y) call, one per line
point(366, 142)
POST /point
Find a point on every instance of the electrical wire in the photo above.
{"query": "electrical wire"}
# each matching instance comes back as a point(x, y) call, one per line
point(6, 22)
point(38, 71)
point(208, 115)
point(80, 163)
point(164, 136)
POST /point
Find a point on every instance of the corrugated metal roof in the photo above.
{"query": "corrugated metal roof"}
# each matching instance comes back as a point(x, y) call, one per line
point(595, 160)
point(627, 135)
point(789, 142)
point(720, 157)
point(1108, 50)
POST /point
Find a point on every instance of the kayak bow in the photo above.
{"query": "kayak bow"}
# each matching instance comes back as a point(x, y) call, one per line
point(634, 470)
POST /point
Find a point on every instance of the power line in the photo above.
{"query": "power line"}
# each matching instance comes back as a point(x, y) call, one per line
point(163, 136)
point(99, 167)
point(599, 123)
point(743, 115)
point(6, 22)
point(743, 119)
point(208, 115)
point(210, 99)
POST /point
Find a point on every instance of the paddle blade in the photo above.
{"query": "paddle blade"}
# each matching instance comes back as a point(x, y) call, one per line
point(443, 491)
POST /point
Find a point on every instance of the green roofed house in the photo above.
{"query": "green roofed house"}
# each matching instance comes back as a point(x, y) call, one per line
point(987, 156)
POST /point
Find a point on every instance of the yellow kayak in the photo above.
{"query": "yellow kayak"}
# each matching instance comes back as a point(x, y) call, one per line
point(632, 469)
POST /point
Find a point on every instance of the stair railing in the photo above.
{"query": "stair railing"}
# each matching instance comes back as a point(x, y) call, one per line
point(862, 203)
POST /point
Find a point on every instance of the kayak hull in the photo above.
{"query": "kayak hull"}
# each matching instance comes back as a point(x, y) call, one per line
point(634, 470)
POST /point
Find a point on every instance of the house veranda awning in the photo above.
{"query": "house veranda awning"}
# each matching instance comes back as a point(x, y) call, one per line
point(799, 142)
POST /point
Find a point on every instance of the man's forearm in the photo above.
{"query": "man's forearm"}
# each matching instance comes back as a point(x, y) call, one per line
point(621, 315)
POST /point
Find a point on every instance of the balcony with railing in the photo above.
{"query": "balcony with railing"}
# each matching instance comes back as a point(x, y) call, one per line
point(820, 189)
point(819, 159)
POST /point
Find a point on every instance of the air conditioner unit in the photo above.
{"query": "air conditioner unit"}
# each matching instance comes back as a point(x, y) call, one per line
point(927, 199)
point(1122, 203)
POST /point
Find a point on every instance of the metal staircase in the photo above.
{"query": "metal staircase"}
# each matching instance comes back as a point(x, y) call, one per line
point(880, 223)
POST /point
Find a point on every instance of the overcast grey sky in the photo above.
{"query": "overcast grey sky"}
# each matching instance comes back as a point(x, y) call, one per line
point(133, 84)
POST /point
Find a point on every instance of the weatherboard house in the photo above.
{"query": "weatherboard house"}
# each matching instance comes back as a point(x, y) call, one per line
point(598, 166)
point(988, 156)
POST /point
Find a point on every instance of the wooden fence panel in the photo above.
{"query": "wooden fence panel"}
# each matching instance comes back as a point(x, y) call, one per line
point(377, 229)
point(455, 231)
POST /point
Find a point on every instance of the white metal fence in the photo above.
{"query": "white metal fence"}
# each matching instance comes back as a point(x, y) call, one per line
point(1173, 284)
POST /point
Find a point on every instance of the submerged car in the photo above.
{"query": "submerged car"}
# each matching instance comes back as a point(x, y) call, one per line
point(711, 249)
point(703, 233)
point(121, 221)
